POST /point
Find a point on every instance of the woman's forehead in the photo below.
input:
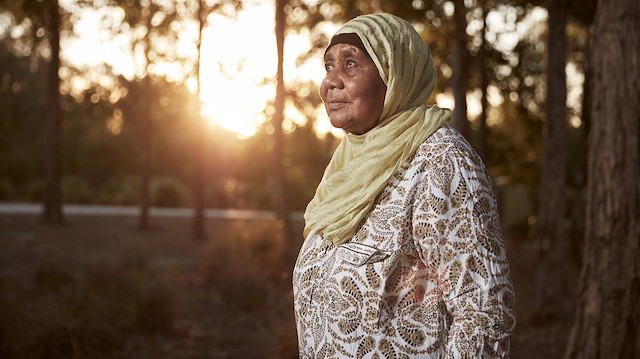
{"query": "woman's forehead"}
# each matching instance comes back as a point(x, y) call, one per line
point(348, 39)
point(342, 50)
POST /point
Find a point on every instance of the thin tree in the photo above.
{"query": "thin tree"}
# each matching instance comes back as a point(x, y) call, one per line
point(145, 128)
point(139, 15)
point(607, 317)
point(460, 70)
point(550, 221)
point(279, 193)
point(48, 14)
point(199, 168)
point(53, 189)
point(484, 84)
point(202, 136)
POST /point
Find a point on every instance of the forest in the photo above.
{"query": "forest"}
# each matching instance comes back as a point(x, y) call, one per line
point(545, 91)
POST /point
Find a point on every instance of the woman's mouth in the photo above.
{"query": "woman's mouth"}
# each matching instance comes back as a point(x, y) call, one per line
point(335, 105)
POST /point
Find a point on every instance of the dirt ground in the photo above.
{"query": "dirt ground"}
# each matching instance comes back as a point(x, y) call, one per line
point(216, 308)
point(533, 339)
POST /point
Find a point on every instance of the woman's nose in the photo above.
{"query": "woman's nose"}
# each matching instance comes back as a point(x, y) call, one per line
point(333, 79)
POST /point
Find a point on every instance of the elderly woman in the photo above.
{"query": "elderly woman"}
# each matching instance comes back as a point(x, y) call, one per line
point(403, 256)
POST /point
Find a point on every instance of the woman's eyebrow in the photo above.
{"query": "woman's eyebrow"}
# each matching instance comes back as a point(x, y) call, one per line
point(346, 51)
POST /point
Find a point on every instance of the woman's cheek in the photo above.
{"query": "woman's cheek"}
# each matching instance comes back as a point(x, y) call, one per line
point(323, 90)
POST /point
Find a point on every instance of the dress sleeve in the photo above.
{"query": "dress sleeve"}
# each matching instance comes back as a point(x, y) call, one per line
point(457, 232)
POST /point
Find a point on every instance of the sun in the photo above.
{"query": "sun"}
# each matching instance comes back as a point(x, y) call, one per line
point(238, 63)
point(238, 59)
point(238, 68)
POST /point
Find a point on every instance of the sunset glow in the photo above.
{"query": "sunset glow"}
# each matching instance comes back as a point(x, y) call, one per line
point(238, 63)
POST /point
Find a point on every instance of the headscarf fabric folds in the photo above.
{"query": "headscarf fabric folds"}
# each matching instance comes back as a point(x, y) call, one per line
point(363, 164)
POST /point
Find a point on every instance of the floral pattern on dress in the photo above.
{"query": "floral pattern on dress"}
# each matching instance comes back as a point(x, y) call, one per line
point(426, 274)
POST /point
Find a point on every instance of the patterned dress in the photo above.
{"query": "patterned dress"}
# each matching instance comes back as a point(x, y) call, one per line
point(425, 276)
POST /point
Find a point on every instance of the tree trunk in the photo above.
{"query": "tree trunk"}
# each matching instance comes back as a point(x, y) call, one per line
point(53, 192)
point(145, 154)
point(607, 318)
point(199, 168)
point(550, 231)
point(460, 70)
point(146, 132)
point(484, 83)
point(278, 136)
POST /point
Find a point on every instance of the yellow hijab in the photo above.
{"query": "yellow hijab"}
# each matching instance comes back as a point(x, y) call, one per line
point(363, 164)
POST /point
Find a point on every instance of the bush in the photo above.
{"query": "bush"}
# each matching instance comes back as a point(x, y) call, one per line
point(124, 190)
point(241, 266)
point(244, 194)
point(83, 310)
point(7, 190)
point(169, 192)
point(34, 190)
point(76, 190)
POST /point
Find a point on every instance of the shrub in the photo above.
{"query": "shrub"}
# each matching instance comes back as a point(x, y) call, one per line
point(123, 190)
point(240, 265)
point(169, 192)
point(246, 194)
point(76, 190)
point(89, 313)
point(7, 190)
point(34, 190)
point(83, 310)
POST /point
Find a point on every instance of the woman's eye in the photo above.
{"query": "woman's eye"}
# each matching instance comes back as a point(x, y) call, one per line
point(351, 63)
point(328, 67)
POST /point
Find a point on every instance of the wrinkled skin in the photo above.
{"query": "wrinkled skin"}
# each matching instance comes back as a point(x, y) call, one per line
point(352, 91)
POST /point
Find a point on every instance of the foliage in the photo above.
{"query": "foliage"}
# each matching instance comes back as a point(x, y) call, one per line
point(102, 122)
point(169, 192)
point(76, 190)
point(516, 147)
point(98, 288)
point(79, 309)
point(120, 190)
point(22, 100)
point(251, 271)
point(238, 264)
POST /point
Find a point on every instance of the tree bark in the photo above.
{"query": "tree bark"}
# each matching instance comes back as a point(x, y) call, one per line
point(146, 131)
point(53, 192)
point(607, 318)
point(550, 231)
point(484, 84)
point(145, 153)
point(279, 194)
point(199, 168)
point(460, 70)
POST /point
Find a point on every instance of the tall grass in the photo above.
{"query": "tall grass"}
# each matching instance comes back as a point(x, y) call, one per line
point(248, 266)
point(100, 288)
point(65, 307)
point(68, 313)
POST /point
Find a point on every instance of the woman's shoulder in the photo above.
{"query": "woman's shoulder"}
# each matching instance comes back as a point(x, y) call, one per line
point(447, 150)
point(446, 141)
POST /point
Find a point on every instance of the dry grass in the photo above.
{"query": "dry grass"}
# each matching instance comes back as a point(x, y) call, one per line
point(101, 288)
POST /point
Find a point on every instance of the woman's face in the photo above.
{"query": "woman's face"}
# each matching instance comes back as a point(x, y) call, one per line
point(353, 92)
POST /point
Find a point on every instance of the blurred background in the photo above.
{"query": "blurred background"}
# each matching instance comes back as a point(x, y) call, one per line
point(211, 108)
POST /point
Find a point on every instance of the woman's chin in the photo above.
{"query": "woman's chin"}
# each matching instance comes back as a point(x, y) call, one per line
point(339, 123)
